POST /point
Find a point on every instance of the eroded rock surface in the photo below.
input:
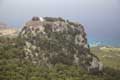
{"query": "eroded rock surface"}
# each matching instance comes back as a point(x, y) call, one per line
point(54, 40)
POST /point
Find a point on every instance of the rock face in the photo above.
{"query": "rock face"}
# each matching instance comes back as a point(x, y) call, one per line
point(54, 40)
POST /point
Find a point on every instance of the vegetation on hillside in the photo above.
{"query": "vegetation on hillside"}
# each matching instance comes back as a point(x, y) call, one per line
point(14, 67)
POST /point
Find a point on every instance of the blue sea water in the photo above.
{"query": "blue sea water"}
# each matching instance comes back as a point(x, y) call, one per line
point(104, 42)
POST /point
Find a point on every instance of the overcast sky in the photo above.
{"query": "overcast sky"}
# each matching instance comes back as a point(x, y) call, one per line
point(101, 18)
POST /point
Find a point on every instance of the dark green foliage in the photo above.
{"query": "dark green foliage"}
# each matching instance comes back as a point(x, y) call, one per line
point(14, 67)
point(54, 19)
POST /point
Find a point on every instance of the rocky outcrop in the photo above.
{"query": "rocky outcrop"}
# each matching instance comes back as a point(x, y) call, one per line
point(3, 25)
point(54, 40)
point(5, 30)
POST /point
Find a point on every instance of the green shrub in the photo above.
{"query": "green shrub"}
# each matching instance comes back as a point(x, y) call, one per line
point(14, 67)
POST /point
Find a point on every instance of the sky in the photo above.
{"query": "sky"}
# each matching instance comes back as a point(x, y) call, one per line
point(101, 18)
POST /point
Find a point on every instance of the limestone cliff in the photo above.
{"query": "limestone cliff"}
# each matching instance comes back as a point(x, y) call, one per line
point(54, 40)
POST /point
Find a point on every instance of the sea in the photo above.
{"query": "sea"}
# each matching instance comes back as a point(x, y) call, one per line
point(104, 42)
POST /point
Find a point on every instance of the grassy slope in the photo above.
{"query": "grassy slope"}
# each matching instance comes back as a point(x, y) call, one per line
point(14, 67)
point(109, 56)
point(111, 60)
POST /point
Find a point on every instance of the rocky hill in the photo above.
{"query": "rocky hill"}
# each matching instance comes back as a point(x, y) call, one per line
point(3, 25)
point(5, 30)
point(48, 41)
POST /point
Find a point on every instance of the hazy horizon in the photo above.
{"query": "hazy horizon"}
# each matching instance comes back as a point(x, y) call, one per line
point(101, 18)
